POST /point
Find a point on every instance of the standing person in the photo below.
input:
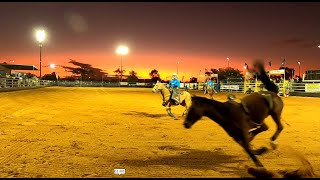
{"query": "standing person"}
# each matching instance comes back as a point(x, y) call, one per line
point(209, 84)
point(205, 87)
point(174, 84)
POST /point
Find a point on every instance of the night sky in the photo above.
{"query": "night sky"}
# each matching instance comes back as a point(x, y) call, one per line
point(198, 35)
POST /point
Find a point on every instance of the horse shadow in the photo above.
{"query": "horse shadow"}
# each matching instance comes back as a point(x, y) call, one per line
point(144, 114)
point(193, 159)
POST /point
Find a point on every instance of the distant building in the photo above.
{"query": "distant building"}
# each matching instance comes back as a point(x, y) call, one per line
point(6, 69)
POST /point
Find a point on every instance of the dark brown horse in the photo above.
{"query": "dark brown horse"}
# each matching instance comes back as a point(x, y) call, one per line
point(237, 119)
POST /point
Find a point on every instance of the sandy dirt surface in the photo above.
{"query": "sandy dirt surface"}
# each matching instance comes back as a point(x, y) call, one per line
point(89, 132)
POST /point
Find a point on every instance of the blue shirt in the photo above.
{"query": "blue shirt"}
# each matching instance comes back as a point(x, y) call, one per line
point(210, 83)
point(174, 83)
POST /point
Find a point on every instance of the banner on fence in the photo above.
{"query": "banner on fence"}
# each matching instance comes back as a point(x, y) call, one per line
point(314, 87)
point(124, 83)
point(232, 87)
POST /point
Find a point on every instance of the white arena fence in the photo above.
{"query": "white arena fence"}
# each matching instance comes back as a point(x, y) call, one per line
point(232, 87)
point(6, 83)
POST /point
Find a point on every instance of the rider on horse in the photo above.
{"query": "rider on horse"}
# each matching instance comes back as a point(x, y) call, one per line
point(174, 85)
point(210, 84)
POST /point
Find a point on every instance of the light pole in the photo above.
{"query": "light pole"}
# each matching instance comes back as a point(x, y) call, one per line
point(122, 50)
point(178, 67)
point(299, 67)
point(41, 35)
point(228, 62)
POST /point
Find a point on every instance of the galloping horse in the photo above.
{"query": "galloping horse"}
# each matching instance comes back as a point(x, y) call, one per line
point(238, 119)
point(184, 98)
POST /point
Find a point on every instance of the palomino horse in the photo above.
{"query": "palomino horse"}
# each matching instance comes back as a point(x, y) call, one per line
point(184, 98)
point(210, 91)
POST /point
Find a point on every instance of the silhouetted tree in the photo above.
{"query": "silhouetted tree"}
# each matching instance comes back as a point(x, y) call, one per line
point(154, 75)
point(133, 76)
point(214, 71)
point(193, 80)
point(30, 75)
point(230, 72)
point(52, 76)
point(85, 71)
point(118, 71)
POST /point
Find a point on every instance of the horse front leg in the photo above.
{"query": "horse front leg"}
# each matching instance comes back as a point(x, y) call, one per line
point(242, 138)
point(211, 94)
point(168, 109)
point(246, 146)
point(184, 112)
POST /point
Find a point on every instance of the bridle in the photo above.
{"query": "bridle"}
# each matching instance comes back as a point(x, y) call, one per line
point(162, 94)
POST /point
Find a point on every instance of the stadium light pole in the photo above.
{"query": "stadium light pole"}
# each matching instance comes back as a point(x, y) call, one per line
point(228, 62)
point(177, 67)
point(122, 50)
point(41, 35)
point(299, 67)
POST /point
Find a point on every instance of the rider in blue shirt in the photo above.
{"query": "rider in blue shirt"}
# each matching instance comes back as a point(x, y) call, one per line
point(210, 84)
point(174, 84)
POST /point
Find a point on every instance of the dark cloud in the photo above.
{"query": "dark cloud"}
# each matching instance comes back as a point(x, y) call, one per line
point(293, 41)
point(298, 42)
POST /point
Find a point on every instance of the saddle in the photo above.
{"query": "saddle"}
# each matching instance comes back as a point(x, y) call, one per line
point(267, 97)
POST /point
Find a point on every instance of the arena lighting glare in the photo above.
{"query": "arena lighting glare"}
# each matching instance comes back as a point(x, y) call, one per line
point(122, 50)
point(41, 35)
point(52, 66)
point(319, 46)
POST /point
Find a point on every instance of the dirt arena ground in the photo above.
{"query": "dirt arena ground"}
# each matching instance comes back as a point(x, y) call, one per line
point(89, 132)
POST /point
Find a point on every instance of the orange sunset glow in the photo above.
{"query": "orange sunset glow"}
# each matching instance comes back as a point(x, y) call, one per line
point(158, 37)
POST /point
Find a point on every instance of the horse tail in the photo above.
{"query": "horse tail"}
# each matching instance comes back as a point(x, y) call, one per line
point(270, 86)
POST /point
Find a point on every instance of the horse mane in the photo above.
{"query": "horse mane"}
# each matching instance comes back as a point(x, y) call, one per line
point(210, 107)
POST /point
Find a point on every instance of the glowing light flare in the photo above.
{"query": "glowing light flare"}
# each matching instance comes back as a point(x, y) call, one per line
point(52, 66)
point(122, 50)
point(41, 35)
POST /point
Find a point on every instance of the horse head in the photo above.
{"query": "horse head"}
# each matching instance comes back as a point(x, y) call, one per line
point(156, 87)
point(194, 113)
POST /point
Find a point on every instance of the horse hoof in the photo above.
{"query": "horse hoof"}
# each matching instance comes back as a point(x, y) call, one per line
point(260, 151)
point(273, 145)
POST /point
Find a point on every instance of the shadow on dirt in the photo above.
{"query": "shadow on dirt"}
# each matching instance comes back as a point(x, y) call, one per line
point(144, 114)
point(215, 160)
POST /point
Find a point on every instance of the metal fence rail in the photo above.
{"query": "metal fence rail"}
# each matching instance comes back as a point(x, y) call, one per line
point(19, 83)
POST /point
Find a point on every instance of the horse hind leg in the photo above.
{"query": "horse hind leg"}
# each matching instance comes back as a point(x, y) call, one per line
point(276, 118)
point(255, 132)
